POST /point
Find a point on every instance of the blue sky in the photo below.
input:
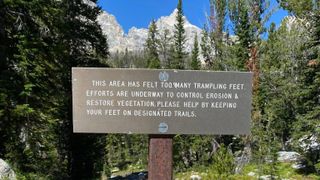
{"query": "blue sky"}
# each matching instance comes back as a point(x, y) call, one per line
point(139, 13)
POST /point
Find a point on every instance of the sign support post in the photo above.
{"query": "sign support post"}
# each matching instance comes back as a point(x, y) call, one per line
point(160, 157)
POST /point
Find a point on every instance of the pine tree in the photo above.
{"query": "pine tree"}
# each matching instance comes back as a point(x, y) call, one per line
point(299, 7)
point(152, 42)
point(171, 57)
point(223, 163)
point(179, 39)
point(266, 130)
point(28, 83)
point(218, 10)
point(217, 17)
point(284, 79)
point(306, 128)
point(195, 62)
point(84, 44)
point(206, 49)
point(164, 47)
point(245, 37)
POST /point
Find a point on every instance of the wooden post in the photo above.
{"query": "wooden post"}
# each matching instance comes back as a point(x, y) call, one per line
point(160, 157)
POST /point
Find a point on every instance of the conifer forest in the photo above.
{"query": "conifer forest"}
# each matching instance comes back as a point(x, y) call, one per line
point(41, 40)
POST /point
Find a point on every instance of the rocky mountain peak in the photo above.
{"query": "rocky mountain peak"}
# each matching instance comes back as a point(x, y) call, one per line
point(136, 37)
point(171, 19)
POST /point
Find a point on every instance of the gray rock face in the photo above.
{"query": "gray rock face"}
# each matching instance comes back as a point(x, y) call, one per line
point(168, 22)
point(310, 142)
point(268, 177)
point(288, 156)
point(135, 39)
point(6, 172)
point(114, 32)
point(298, 166)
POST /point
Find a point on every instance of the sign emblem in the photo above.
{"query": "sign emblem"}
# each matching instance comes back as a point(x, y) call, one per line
point(163, 127)
point(163, 76)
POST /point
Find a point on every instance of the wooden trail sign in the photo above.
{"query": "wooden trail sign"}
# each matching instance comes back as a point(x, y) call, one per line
point(161, 101)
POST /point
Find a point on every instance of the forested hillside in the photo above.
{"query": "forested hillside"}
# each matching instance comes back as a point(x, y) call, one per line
point(40, 40)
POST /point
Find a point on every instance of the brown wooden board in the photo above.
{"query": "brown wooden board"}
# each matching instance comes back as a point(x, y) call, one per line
point(161, 101)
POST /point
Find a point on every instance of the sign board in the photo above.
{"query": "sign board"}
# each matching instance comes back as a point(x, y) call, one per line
point(160, 101)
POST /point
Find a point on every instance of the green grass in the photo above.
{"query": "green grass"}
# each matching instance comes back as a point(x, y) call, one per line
point(285, 171)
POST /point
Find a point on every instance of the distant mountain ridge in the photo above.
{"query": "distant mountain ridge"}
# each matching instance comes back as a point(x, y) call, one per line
point(136, 37)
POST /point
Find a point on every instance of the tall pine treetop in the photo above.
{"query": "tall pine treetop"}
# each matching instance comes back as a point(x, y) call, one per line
point(195, 62)
point(152, 42)
point(179, 39)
